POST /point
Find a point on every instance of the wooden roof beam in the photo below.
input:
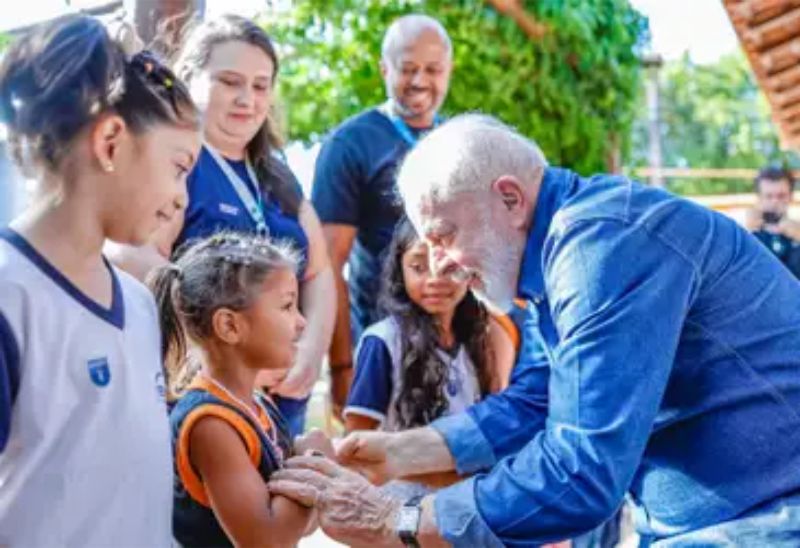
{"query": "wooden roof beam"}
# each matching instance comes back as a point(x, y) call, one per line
point(790, 113)
point(774, 32)
point(782, 57)
point(524, 20)
point(785, 79)
point(788, 98)
point(758, 12)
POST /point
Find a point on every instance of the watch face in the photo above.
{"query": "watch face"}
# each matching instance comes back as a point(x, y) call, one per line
point(408, 519)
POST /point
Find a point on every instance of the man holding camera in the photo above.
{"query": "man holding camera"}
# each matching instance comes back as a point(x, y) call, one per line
point(769, 221)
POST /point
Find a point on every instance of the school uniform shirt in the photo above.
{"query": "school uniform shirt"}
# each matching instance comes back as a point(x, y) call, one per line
point(215, 206)
point(267, 442)
point(378, 376)
point(85, 457)
point(354, 185)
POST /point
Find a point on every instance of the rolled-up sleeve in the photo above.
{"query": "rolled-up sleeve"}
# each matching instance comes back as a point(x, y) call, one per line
point(618, 296)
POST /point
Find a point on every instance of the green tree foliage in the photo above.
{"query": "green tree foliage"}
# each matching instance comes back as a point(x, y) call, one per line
point(574, 91)
point(715, 116)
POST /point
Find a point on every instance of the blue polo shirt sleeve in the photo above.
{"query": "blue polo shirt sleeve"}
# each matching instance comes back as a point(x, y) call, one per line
point(371, 391)
point(618, 296)
point(336, 192)
point(501, 424)
point(9, 378)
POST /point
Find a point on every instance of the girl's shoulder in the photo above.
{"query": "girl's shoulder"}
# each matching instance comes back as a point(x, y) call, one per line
point(388, 332)
point(386, 329)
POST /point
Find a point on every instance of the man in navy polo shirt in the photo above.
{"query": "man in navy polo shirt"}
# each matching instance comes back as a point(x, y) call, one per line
point(668, 371)
point(354, 184)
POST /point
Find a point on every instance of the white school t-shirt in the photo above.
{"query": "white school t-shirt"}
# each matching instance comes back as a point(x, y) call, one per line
point(85, 457)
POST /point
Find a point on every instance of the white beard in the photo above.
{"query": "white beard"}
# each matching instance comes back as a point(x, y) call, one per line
point(499, 272)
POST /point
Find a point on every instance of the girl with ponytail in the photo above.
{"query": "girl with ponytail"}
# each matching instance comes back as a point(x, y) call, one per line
point(234, 298)
point(109, 138)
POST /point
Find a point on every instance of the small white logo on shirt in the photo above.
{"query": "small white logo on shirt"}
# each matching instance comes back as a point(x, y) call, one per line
point(229, 209)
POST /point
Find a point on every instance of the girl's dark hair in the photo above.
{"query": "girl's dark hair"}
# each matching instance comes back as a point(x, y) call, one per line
point(59, 78)
point(274, 176)
point(423, 373)
point(226, 270)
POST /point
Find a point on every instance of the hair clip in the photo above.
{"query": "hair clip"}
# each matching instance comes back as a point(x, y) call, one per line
point(175, 268)
point(238, 258)
point(238, 249)
point(152, 68)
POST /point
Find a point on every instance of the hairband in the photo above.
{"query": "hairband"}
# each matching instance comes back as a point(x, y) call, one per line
point(238, 250)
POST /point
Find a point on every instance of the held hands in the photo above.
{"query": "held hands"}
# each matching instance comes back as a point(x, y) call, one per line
point(370, 453)
point(351, 510)
point(314, 442)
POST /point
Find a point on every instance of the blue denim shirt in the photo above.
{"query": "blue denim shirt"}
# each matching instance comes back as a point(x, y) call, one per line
point(673, 343)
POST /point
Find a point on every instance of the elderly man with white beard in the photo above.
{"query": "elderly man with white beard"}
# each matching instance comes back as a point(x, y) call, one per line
point(670, 349)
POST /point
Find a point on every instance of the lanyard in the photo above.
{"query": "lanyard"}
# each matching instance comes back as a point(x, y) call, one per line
point(401, 126)
point(253, 205)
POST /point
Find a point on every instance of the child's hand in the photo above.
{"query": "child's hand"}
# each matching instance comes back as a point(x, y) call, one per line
point(315, 441)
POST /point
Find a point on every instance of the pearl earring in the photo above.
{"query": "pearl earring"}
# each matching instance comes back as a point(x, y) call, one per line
point(109, 167)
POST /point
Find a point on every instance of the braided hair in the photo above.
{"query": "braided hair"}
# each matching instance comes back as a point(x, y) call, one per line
point(63, 75)
point(225, 270)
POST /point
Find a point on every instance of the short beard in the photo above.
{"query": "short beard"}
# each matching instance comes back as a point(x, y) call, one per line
point(399, 108)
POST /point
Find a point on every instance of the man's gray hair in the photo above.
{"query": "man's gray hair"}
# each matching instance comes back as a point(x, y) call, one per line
point(406, 30)
point(465, 154)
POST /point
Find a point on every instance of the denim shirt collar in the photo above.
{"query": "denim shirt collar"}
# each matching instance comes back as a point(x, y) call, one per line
point(557, 186)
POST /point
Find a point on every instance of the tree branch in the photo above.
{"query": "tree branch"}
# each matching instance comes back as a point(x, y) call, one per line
point(524, 20)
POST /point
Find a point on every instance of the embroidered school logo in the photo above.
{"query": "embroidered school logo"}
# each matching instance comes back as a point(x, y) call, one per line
point(161, 387)
point(228, 209)
point(99, 371)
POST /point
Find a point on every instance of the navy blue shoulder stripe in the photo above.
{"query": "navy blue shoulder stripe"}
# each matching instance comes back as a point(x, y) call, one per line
point(114, 315)
point(9, 377)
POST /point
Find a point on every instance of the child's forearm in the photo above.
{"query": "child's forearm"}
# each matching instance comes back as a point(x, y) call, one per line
point(313, 523)
point(289, 522)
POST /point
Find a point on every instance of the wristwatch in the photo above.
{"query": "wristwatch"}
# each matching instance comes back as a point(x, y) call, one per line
point(408, 521)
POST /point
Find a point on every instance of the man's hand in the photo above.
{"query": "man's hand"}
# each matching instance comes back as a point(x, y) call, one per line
point(351, 510)
point(341, 377)
point(789, 228)
point(370, 454)
point(385, 456)
point(314, 441)
point(753, 219)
